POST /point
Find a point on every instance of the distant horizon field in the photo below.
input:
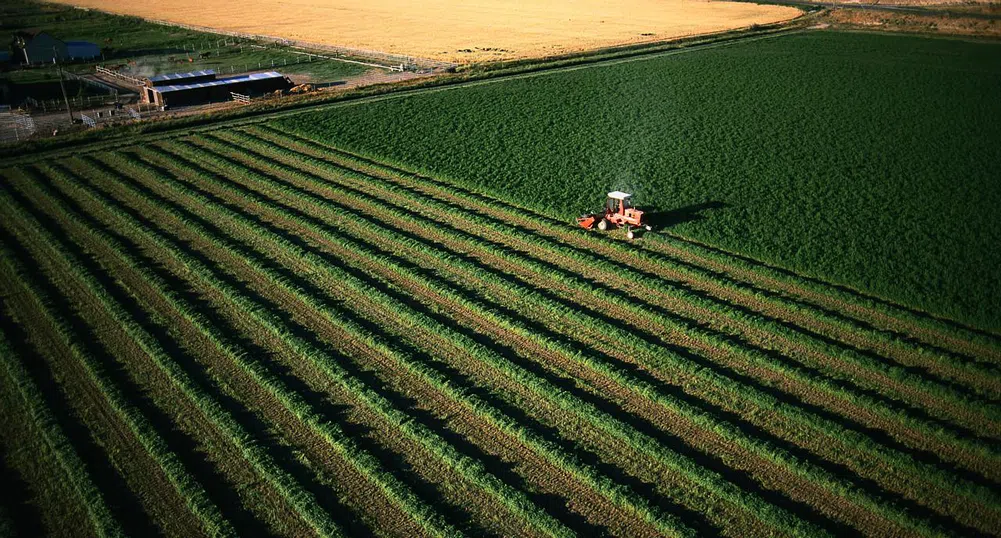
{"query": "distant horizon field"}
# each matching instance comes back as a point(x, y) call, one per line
point(461, 32)
point(865, 160)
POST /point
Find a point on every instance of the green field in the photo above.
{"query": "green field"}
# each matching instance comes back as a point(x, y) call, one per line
point(251, 329)
point(869, 160)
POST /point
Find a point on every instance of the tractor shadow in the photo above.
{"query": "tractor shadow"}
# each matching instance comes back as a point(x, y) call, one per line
point(666, 219)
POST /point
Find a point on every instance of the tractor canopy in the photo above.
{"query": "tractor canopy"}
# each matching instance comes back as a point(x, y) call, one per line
point(618, 201)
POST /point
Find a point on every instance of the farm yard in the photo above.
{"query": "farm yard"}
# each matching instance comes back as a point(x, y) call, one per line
point(140, 48)
point(375, 317)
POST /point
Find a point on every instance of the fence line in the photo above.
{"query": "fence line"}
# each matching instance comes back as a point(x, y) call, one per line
point(15, 127)
point(47, 105)
point(91, 82)
point(118, 74)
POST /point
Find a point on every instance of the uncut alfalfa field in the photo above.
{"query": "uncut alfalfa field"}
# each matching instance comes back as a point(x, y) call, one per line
point(380, 319)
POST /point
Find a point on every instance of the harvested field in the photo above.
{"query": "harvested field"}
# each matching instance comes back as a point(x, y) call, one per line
point(462, 32)
point(566, 423)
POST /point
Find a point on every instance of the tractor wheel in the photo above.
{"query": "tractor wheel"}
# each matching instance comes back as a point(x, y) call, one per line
point(629, 234)
point(603, 224)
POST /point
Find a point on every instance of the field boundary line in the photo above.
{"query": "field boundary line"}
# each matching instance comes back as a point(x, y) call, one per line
point(125, 140)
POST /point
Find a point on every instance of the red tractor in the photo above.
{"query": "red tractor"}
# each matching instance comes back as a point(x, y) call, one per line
point(619, 211)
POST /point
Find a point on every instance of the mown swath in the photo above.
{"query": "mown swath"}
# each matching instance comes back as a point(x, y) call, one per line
point(215, 412)
point(74, 469)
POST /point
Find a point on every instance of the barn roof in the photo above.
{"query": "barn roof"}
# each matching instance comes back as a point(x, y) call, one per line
point(182, 76)
point(82, 49)
point(220, 82)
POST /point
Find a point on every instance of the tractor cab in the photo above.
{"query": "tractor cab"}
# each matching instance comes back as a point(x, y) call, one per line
point(618, 202)
point(619, 211)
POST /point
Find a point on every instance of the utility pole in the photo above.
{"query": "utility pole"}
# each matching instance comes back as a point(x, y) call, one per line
point(61, 86)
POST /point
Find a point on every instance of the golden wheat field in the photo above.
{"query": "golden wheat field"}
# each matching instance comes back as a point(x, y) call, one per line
point(459, 30)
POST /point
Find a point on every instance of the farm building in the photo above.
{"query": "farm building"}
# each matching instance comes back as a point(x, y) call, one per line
point(183, 89)
point(170, 79)
point(40, 47)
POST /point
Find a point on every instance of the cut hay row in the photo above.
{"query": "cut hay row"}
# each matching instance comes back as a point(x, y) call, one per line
point(188, 487)
point(248, 174)
point(471, 469)
point(335, 283)
point(292, 266)
point(888, 407)
point(301, 500)
point(249, 498)
point(295, 403)
point(943, 479)
point(870, 314)
point(537, 353)
point(296, 252)
point(894, 325)
point(71, 466)
point(418, 345)
point(394, 419)
point(373, 232)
